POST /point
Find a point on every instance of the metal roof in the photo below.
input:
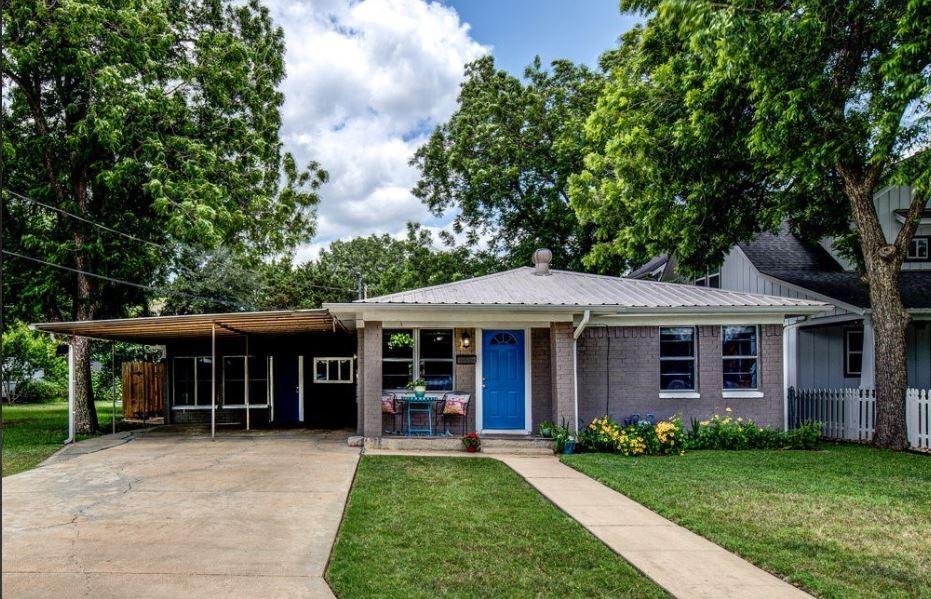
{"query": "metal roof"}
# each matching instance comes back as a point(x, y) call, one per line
point(158, 329)
point(521, 287)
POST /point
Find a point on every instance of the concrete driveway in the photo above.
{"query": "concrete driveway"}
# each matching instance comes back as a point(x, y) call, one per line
point(179, 516)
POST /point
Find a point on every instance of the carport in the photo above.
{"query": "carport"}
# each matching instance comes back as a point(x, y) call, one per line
point(251, 359)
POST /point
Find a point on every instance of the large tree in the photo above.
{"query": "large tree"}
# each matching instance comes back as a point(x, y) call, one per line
point(155, 117)
point(502, 161)
point(723, 119)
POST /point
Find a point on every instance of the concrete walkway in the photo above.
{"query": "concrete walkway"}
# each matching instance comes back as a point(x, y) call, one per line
point(178, 516)
point(677, 559)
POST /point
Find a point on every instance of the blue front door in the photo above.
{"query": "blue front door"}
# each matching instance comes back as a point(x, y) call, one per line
point(503, 380)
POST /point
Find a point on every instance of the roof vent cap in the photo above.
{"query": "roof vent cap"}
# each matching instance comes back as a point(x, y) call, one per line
point(541, 260)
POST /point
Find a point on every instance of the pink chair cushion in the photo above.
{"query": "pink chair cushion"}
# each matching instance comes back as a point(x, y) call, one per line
point(456, 405)
point(387, 404)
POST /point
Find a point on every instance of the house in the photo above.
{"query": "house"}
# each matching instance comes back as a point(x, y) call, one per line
point(527, 345)
point(834, 349)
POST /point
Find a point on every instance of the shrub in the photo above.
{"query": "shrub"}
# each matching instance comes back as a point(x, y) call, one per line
point(606, 435)
point(736, 433)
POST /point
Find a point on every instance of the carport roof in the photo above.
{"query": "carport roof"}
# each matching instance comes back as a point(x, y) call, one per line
point(158, 329)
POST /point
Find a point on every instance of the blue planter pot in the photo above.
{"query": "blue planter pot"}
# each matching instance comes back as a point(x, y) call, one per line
point(569, 447)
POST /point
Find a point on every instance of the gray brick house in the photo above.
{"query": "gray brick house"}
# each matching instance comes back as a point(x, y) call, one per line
point(526, 345)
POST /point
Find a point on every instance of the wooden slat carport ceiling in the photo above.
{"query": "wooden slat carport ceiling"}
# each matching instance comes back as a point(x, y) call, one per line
point(158, 329)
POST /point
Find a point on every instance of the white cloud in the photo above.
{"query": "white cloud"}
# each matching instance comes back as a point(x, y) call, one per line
point(366, 83)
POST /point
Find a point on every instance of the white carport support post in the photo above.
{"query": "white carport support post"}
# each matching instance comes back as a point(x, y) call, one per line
point(586, 316)
point(213, 380)
point(868, 366)
point(246, 373)
point(70, 392)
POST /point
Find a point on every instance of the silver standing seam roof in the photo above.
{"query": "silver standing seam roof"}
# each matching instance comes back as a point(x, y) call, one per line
point(521, 286)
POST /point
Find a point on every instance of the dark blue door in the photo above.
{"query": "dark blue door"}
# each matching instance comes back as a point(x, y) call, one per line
point(287, 390)
point(503, 380)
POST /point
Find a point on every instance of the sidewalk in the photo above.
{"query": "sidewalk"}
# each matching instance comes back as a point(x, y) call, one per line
point(677, 559)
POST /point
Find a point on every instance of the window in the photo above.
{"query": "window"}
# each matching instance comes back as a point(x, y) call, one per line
point(853, 352)
point(333, 370)
point(234, 381)
point(408, 354)
point(740, 355)
point(191, 381)
point(436, 358)
point(711, 279)
point(918, 249)
point(397, 354)
point(677, 359)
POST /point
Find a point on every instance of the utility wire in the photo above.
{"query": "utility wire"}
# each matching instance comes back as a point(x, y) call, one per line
point(146, 241)
point(124, 282)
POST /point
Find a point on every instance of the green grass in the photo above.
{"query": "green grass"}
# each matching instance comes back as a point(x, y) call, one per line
point(846, 521)
point(459, 527)
point(33, 432)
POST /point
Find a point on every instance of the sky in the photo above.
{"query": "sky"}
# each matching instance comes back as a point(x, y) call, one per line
point(368, 80)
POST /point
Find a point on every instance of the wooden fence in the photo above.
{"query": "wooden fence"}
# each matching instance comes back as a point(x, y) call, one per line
point(143, 389)
point(851, 413)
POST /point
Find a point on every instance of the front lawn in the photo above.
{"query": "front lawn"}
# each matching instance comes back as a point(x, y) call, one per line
point(460, 527)
point(33, 432)
point(844, 521)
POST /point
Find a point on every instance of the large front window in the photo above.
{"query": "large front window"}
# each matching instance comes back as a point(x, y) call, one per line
point(234, 381)
point(740, 355)
point(677, 359)
point(409, 354)
point(191, 376)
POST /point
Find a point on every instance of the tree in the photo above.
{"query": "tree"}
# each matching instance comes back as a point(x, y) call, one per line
point(503, 159)
point(28, 355)
point(722, 119)
point(158, 117)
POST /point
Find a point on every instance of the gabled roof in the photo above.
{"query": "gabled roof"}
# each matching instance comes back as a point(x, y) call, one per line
point(559, 288)
point(782, 251)
point(658, 262)
point(847, 286)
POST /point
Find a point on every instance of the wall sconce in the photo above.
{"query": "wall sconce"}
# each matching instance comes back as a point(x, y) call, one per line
point(466, 340)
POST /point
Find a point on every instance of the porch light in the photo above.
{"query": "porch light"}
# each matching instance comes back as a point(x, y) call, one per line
point(466, 340)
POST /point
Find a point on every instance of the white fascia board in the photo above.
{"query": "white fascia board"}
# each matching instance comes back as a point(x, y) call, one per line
point(631, 320)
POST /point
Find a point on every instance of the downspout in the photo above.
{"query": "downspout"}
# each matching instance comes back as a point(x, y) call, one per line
point(586, 316)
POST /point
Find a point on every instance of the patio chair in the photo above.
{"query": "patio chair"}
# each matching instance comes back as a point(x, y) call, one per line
point(453, 405)
point(391, 407)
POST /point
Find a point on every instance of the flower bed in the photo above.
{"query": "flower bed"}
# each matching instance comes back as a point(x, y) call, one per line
point(606, 435)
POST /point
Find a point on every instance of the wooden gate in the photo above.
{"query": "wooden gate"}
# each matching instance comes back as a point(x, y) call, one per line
point(143, 393)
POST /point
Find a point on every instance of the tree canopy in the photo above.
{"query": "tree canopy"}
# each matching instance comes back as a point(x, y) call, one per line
point(501, 163)
point(158, 117)
point(722, 120)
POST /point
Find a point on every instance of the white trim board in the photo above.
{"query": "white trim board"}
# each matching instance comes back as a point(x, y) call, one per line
point(528, 403)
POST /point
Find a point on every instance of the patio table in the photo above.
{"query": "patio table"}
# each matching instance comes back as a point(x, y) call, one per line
point(420, 405)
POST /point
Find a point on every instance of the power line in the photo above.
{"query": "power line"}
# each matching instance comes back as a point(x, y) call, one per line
point(125, 282)
point(163, 247)
point(86, 220)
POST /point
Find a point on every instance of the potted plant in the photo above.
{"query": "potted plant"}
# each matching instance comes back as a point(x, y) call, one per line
point(563, 440)
point(472, 442)
point(419, 387)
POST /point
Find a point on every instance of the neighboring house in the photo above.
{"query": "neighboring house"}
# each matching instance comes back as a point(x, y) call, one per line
point(528, 345)
point(832, 350)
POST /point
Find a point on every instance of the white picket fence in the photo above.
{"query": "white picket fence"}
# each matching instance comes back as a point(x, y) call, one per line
point(851, 413)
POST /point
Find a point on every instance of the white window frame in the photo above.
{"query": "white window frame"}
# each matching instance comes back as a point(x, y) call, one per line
point(174, 383)
point(915, 243)
point(329, 360)
point(415, 333)
point(735, 391)
point(252, 404)
point(704, 281)
point(848, 372)
point(671, 393)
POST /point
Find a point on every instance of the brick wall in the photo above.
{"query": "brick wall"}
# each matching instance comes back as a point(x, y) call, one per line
point(371, 379)
point(619, 375)
point(464, 376)
point(541, 384)
point(561, 373)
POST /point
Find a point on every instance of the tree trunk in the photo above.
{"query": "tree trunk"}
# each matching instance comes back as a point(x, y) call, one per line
point(890, 324)
point(85, 413)
point(883, 261)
